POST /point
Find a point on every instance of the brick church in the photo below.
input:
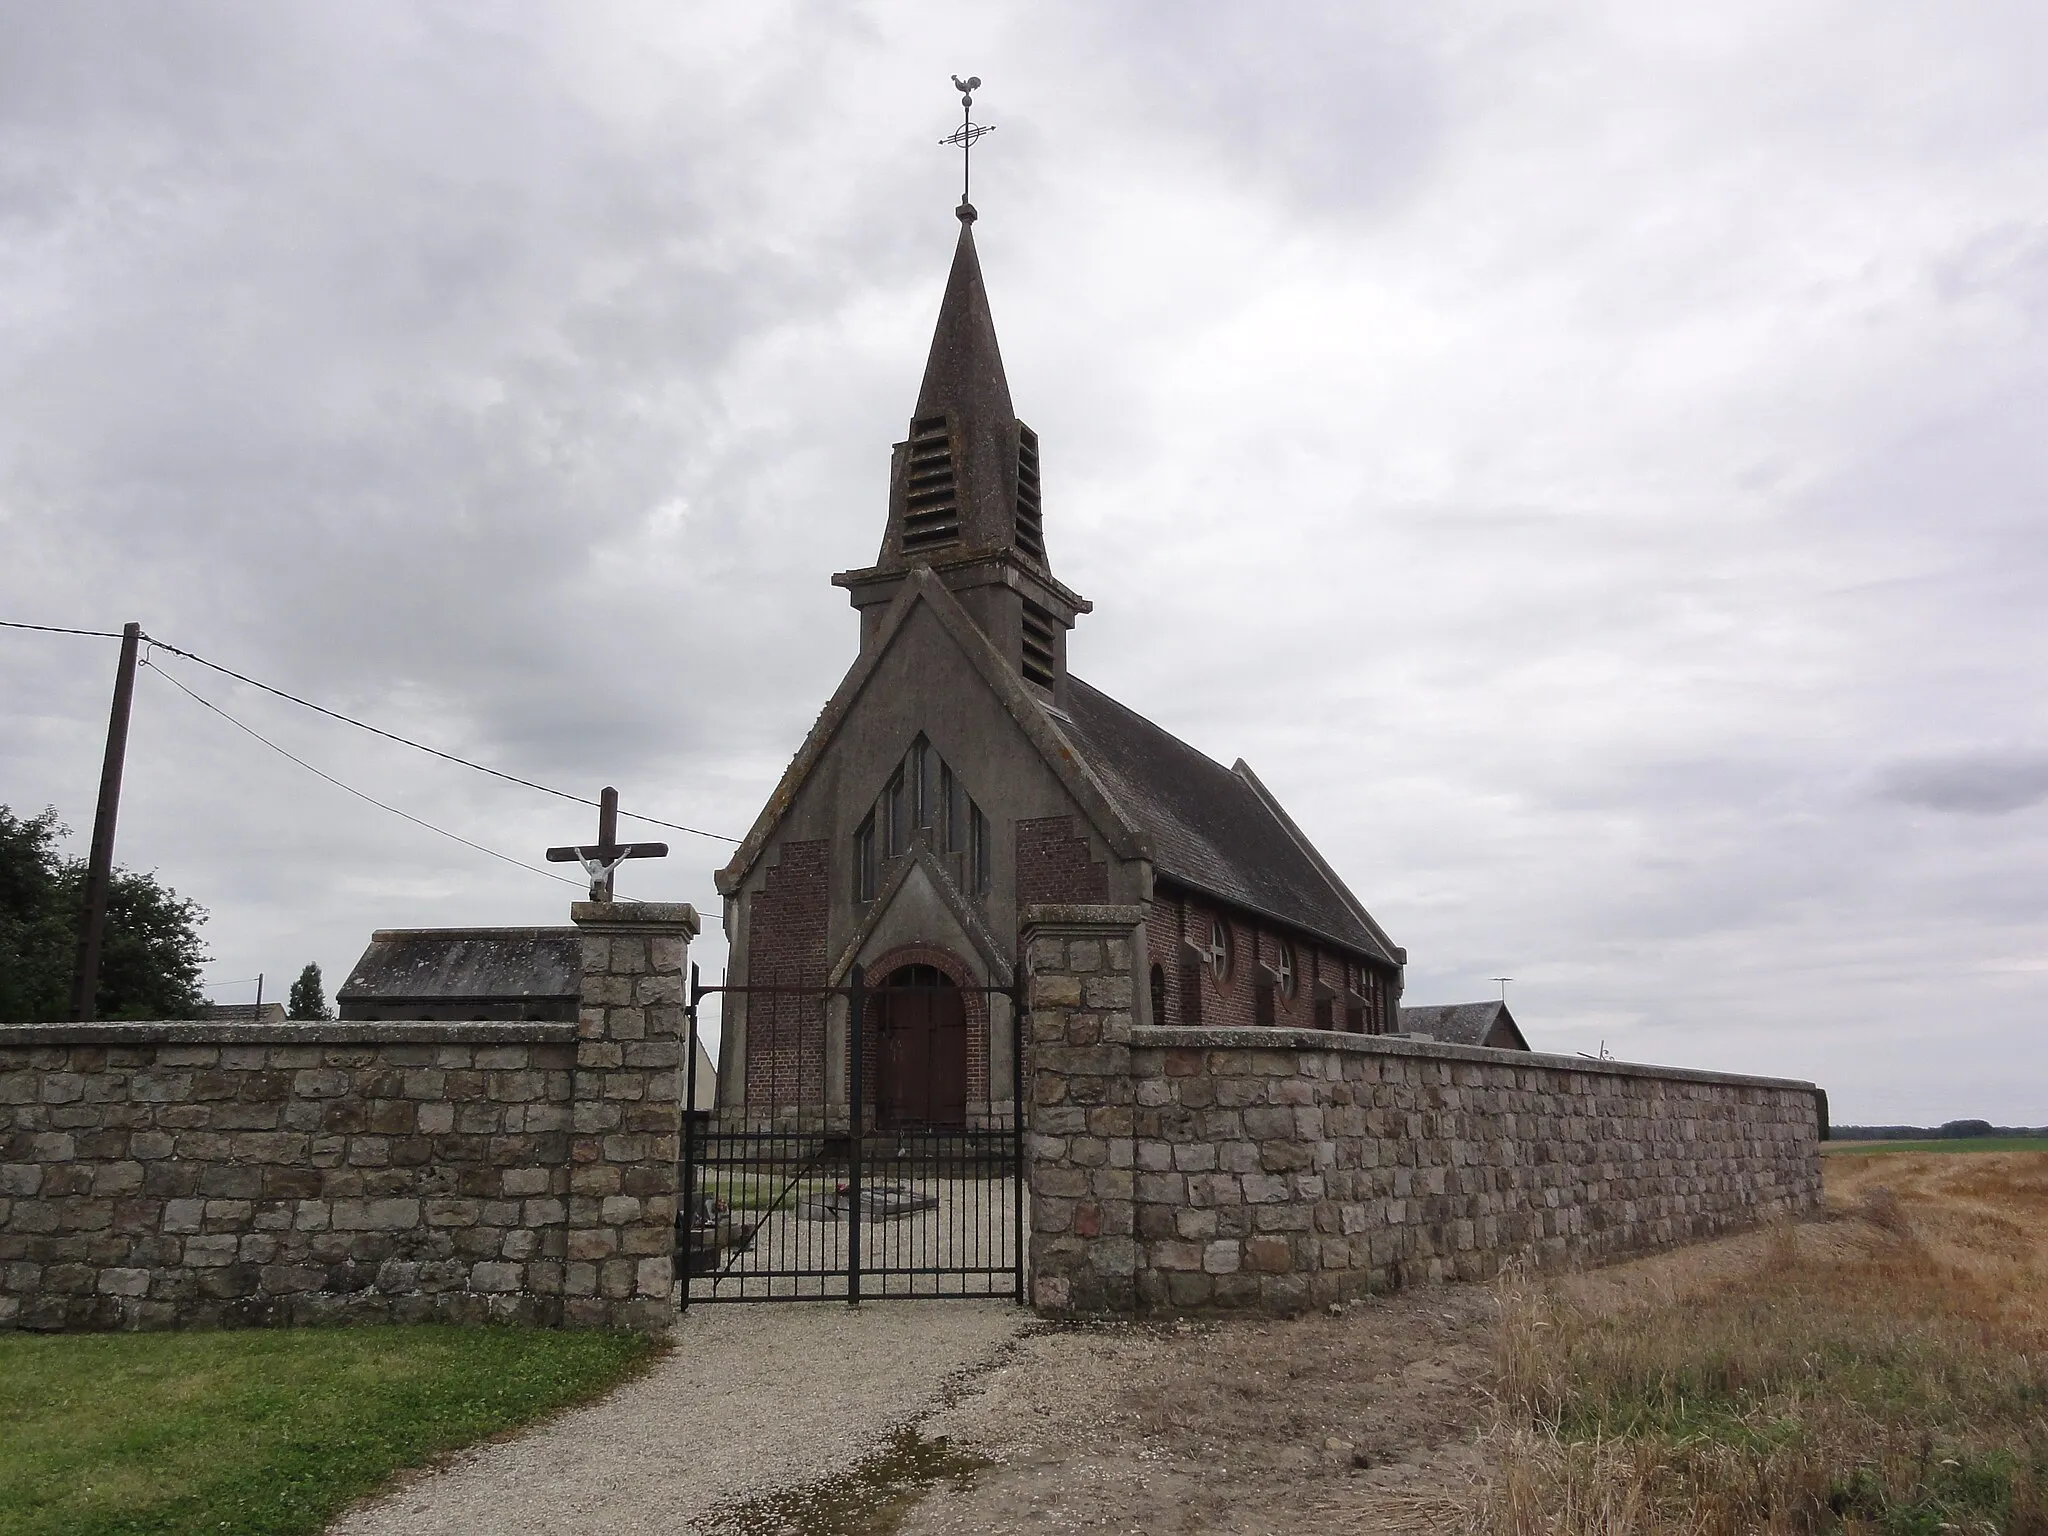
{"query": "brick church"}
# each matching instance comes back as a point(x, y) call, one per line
point(961, 773)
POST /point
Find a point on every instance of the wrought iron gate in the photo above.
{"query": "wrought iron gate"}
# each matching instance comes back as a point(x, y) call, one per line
point(809, 1183)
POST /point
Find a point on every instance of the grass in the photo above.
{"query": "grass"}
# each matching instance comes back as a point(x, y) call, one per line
point(1884, 1374)
point(263, 1431)
point(1945, 1144)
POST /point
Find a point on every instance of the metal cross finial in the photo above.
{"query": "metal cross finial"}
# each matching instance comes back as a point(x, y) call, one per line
point(964, 138)
point(1503, 980)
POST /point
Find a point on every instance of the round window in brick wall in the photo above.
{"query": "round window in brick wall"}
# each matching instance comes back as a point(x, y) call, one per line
point(1219, 949)
point(1283, 967)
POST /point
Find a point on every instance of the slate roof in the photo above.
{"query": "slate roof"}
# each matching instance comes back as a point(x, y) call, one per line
point(508, 964)
point(1212, 828)
point(1462, 1023)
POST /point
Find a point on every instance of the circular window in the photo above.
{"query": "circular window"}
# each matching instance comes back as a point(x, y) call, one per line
point(1219, 949)
point(1283, 966)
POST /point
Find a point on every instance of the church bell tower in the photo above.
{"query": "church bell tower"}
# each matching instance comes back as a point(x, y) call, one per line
point(964, 495)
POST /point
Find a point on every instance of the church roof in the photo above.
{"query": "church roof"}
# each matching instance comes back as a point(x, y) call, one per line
point(1212, 828)
point(1487, 1023)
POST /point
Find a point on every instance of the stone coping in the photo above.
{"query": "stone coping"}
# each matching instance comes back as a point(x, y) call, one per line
point(311, 1032)
point(636, 914)
point(1196, 1037)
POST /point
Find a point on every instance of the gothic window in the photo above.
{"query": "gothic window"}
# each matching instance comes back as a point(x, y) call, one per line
point(896, 810)
point(919, 770)
point(979, 876)
point(864, 860)
point(923, 794)
point(1219, 950)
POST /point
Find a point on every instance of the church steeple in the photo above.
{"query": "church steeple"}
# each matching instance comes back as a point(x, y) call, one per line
point(967, 476)
point(964, 495)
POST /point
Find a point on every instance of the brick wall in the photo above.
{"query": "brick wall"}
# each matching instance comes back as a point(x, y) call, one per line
point(1281, 1168)
point(180, 1174)
point(786, 934)
point(1234, 1003)
point(1053, 864)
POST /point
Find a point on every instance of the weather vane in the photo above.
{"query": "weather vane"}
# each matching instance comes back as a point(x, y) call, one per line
point(967, 133)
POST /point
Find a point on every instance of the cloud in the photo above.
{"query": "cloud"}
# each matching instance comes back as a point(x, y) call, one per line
point(1970, 784)
point(1562, 453)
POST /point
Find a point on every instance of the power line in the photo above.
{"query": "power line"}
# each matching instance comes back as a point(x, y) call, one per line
point(59, 629)
point(371, 799)
point(374, 730)
point(364, 725)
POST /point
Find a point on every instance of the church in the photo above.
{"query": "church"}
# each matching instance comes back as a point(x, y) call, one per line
point(961, 774)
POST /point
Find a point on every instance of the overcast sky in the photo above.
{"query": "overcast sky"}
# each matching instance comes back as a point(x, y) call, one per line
point(1589, 459)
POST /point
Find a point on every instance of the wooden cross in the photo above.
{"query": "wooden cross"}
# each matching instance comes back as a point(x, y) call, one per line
point(601, 858)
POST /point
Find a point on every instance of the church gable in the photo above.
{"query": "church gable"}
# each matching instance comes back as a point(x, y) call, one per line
point(932, 672)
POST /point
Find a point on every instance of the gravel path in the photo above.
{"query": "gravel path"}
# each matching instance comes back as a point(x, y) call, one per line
point(754, 1398)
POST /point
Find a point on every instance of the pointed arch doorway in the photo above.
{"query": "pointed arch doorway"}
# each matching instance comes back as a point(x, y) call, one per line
point(922, 1067)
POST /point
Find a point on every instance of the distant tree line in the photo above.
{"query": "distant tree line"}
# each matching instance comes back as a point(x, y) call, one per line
point(149, 961)
point(1953, 1130)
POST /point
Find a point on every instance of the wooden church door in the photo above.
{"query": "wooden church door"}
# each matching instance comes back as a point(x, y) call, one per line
point(924, 1051)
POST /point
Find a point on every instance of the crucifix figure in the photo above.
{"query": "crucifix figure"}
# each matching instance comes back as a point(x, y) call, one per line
point(601, 858)
point(963, 138)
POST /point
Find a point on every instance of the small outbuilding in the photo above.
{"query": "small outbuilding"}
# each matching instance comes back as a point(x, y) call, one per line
point(479, 973)
point(1488, 1024)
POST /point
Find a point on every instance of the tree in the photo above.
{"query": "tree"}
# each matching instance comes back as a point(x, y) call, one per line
point(309, 1001)
point(149, 959)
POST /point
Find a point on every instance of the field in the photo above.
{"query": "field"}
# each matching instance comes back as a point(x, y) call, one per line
point(1944, 1144)
point(265, 1431)
point(1880, 1371)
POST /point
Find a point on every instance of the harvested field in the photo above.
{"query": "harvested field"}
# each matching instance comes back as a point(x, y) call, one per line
point(1883, 1370)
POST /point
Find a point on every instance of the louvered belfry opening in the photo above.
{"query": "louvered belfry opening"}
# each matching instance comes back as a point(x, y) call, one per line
point(1040, 648)
point(931, 510)
point(1030, 515)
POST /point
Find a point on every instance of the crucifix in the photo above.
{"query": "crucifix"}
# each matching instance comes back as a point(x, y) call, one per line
point(601, 858)
point(963, 138)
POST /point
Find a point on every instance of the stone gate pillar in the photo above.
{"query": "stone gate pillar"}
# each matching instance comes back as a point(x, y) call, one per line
point(626, 1130)
point(1081, 963)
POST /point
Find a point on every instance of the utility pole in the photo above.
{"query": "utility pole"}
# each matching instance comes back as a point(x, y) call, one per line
point(99, 872)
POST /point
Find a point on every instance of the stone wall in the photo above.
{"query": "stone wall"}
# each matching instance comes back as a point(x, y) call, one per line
point(1283, 1168)
point(183, 1174)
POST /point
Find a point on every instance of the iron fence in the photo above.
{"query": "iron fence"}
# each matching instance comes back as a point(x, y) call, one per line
point(806, 1182)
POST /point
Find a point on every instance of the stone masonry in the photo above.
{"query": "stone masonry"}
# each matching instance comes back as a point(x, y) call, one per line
point(1277, 1169)
point(1081, 1108)
point(169, 1174)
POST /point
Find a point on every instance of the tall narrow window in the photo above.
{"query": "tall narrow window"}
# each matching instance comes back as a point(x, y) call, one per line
point(897, 804)
point(980, 876)
point(919, 770)
point(949, 809)
point(864, 860)
point(1158, 993)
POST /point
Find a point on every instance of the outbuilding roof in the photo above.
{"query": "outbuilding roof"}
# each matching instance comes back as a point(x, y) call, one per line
point(1211, 828)
point(467, 963)
point(1487, 1023)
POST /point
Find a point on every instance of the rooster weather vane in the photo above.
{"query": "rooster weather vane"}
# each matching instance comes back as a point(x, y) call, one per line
point(963, 138)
